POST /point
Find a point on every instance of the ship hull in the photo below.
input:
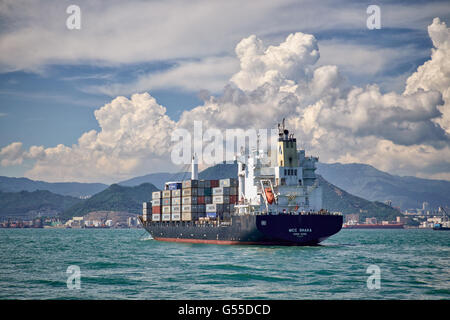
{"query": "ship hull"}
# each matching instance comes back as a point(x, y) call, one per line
point(251, 230)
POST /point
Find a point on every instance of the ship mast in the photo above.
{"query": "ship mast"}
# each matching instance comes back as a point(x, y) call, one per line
point(194, 168)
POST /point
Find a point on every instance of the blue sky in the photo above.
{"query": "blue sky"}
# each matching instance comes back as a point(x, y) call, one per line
point(48, 93)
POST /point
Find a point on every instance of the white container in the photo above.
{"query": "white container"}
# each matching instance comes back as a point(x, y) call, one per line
point(224, 182)
point(176, 209)
point(176, 201)
point(166, 216)
point(156, 202)
point(146, 205)
point(176, 216)
point(186, 200)
point(186, 208)
point(221, 199)
point(156, 195)
point(166, 209)
point(166, 194)
point(156, 217)
point(186, 216)
point(176, 193)
point(217, 191)
point(145, 211)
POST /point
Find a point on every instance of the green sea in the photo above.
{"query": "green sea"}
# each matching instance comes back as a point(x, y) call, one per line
point(128, 264)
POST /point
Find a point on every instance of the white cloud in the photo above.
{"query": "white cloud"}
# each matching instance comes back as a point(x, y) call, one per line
point(11, 154)
point(211, 74)
point(114, 32)
point(402, 133)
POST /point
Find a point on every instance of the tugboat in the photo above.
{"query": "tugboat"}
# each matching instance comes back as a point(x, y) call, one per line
point(272, 201)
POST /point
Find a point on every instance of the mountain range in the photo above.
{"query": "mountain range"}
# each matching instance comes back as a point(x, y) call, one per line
point(365, 181)
point(346, 188)
point(74, 189)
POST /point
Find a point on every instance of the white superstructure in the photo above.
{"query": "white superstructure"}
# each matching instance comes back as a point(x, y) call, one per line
point(289, 176)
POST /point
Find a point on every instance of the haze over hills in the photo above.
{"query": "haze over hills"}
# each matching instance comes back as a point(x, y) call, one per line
point(74, 189)
point(365, 181)
point(346, 186)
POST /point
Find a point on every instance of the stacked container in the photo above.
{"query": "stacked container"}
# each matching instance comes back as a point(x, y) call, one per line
point(156, 205)
point(194, 200)
point(145, 210)
point(176, 202)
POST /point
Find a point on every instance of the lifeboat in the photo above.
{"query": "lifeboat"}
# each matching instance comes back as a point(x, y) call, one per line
point(269, 195)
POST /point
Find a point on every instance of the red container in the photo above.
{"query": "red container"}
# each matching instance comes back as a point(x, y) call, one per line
point(200, 200)
point(156, 209)
point(214, 183)
point(233, 199)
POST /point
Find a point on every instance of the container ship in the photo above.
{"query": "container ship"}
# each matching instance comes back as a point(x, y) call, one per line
point(373, 226)
point(275, 199)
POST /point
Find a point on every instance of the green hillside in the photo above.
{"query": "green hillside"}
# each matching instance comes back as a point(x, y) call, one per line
point(114, 198)
point(20, 204)
point(336, 199)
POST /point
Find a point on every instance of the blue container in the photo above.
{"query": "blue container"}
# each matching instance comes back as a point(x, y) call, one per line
point(211, 214)
point(174, 186)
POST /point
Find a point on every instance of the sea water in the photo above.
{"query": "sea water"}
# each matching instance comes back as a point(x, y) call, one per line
point(128, 264)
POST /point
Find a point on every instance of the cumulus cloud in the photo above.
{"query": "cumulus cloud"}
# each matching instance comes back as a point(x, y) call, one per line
point(403, 133)
point(134, 134)
point(11, 154)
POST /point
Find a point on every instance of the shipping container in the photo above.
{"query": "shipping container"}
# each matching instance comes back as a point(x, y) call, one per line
point(190, 192)
point(166, 194)
point(233, 191)
point(176, 193)
point(156, 217)
point(186, 216)
point(176, 201)
point(145, 210)
point(176, 209)
point(190, 184)
point(201, 183)
point(156, 195)
point(200, 192)
point(208, 199)
point(214, 207)
point(166, 209)
point(176, 216)
point(189, 200)
point(174, 185)
point(221, 191)
point(201, 208)
point(165, 217)
point(200, 200)
point(221, 199)
point(186, 208)
point(211, 215)
point(214, 183)
point(233, 199)
point(156, 202)
point(146, 205)
point(207, 191)
point(166, 202)
point(156, 209)
point(228, 182)
point(207, 184)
